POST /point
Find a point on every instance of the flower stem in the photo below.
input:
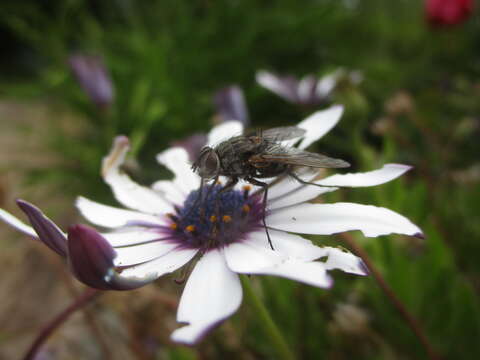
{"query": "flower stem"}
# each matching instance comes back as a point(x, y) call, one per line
point(394, 299)
point(58, 320)
point(269, 326)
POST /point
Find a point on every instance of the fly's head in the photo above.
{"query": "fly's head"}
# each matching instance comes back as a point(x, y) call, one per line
point(207, 165)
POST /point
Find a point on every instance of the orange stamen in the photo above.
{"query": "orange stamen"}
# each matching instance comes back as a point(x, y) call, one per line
point(226, 218)
point(213, 218)
point(190, 228)
point(173, 226)
point(246, 208)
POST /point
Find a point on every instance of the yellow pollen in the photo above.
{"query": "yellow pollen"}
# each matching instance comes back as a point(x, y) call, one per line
point(247, 187)
point(213, 218)
point(246, 208)
point(226, 218)
point(190, 228)
point(173, 226)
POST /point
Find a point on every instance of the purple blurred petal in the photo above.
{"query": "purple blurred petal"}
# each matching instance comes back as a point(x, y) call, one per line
point(92, 75)
point(47, 231)
point(310, 90)
point(306, 89)
point(91, 261)
point(230, 104)
point(284, 86)
point(192, 144)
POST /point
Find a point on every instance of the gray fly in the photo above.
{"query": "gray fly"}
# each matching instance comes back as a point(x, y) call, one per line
point(261, 155)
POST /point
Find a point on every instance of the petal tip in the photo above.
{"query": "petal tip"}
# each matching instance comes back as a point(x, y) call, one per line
point(22, 204)
point(420, 235)
point(363, 267)
point(338, 107)
point(122, 140)
point(402, 166)
point(329, 283)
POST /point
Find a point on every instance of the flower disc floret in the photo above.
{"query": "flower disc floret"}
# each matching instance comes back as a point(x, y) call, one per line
point(216, 219)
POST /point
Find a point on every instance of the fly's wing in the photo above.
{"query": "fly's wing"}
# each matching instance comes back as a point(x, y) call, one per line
point(302, 158)
point(282, 133)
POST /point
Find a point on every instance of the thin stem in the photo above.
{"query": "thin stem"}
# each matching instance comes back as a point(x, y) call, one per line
point(396, 302)
point(89, 318)
point(87, 296)
point(269, 326)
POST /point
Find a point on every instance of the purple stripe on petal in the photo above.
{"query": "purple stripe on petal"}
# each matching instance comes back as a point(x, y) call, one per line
point(230, 104)
point(91, 260)
point(47, 231)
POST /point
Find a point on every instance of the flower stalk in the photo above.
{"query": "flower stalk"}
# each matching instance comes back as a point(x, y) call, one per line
point(275, 335)
point(88, 296)
point(396, 302)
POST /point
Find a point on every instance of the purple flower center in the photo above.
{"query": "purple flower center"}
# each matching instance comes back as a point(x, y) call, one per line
point(217, 218)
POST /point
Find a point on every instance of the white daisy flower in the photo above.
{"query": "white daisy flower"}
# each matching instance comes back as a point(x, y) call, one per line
point(164, 228)
point(308, 90)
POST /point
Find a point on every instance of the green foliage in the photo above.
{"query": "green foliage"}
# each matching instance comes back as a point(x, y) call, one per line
point(417, 105)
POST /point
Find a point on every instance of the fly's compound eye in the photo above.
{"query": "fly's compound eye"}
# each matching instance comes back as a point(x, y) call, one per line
point(208, 163)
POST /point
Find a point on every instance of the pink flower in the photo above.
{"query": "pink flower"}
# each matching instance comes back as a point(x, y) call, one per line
point(447, 12)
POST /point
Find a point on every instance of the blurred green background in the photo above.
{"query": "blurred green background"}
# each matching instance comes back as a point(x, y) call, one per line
point(417, 104)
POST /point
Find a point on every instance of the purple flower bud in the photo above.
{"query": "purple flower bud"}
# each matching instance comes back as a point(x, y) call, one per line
point(91, 261)
point(93, 77)
point(47, 231)
point(230, 104)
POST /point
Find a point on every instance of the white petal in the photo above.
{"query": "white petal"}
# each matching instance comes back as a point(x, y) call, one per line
point(305, 87)
point(302, 194)
point(223, 132)
point(342, 260)
point(276, 85)
point(298, 248)
point(319, 124)
point(17, 224)
point(212, 294)
point(132, 236)
point(137, 254)
point(371, 178)
point(294, 246)
point(288, 184)
point(247, 257)
point(170, 191)
point(109, 216)
point(252, 256)
point(326, 219)
point(311, 273)
point(327, 83)
point(165, 264)
point(126, 191)
point(177, 161)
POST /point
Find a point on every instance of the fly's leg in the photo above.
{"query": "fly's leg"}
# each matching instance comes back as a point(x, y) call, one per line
point(228, 186)
point(199, 197)
point(301, 181)
point(264, 187)
point(209, 190)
